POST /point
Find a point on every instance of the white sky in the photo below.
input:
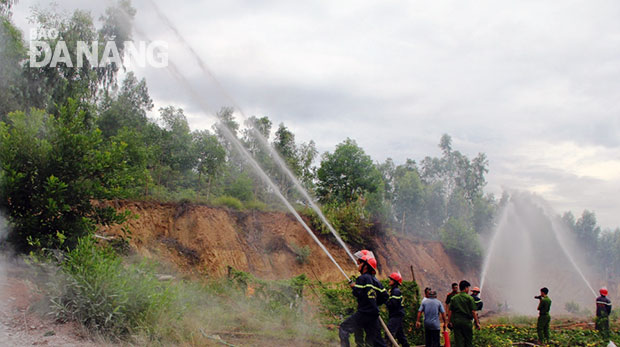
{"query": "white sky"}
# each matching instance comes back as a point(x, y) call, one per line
point(533, 84)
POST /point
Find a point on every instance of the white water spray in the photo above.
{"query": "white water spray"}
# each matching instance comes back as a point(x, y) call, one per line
point(262, 140)
point(531, 249)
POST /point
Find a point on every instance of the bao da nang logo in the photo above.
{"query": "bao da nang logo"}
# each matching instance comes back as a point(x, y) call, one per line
point(140, 54)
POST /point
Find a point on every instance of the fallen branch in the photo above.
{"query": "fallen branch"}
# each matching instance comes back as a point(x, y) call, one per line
point(216, 338)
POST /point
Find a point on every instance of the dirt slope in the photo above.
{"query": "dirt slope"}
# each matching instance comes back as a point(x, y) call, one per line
point(207, 240)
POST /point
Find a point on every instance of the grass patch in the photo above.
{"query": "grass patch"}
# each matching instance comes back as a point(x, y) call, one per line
point(228, 201)
point(95, 288)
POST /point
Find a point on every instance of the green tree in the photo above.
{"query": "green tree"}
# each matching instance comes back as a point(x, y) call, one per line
point(210, 157)
point(127, 108)
point(587, 230)
point(347, 174)
point(12, 52)
point(461, 241)
point(52, 170)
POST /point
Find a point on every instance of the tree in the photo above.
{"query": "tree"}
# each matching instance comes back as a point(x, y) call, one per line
point(347, 174)
point(587, 230)
point(52, 168)
point(210, 156)
point(461, 241)
point(177, 155)
point(12, 52)
point(127, 108)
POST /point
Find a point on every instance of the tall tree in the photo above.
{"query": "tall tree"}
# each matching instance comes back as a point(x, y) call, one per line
point(347, 174)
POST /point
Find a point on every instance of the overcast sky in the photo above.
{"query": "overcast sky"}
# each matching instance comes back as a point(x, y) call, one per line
point(533, 84)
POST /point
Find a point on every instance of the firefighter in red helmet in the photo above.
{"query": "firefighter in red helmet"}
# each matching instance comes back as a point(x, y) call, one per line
point(370, 295)
point(396, 310)
point(603, 310)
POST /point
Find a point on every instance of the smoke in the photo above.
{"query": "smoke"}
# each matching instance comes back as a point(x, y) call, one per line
point(532, 249)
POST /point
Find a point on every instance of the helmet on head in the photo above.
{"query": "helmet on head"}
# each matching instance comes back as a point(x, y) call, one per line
point(396, 277)
point(476, 289)
point(603, 291)
point(363, 253)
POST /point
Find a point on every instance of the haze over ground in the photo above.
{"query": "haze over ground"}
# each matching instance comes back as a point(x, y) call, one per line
point(533, 85)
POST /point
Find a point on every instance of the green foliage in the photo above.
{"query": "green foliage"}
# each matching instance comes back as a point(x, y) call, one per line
point(94, 288)
point(507, 335)
point(347, 174)
point(228, 201)
point(351, 220)
point(52, 169)
point(462, 241)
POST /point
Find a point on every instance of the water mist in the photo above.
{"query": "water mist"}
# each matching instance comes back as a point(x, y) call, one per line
point(531, 249)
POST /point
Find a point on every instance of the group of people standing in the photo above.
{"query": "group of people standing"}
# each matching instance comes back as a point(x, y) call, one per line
point(371, 294)
point(460, 314)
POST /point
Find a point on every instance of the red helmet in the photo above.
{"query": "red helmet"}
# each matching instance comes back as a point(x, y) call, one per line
point(363, 253)
point(372, 262)
point(603, 291)
point(476, 289)
point(396, 277)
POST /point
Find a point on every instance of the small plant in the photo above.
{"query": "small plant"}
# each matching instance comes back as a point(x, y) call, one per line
point(572, 307)
point(301, 253)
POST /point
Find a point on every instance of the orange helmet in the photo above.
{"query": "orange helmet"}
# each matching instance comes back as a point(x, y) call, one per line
point(396, 277)
point(476, 289)
point(603, 291)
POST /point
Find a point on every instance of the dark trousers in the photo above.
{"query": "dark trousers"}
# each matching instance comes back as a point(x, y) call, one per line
point(431, 336)
point(395, 325)
point(463, 334)
point(359, 320)
point(602, 325)
point(542, 328)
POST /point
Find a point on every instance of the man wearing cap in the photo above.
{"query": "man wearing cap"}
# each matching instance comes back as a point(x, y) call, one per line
point(432, 310)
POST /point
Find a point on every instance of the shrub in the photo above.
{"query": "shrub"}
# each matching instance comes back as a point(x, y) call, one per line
point(228, 201)
point(256, 205)
point(302, 253)
point(95, 288)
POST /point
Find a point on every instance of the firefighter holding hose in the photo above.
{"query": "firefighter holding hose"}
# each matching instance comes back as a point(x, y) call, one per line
point(603, 310)
point(370, 295)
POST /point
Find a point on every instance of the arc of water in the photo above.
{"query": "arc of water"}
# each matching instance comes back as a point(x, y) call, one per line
point(262, 140)
point(172, 68)
point(487, 260)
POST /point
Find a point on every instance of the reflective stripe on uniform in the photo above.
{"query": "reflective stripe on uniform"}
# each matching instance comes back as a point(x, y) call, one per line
point(370, 286)
point(396, 297)
point(604, 303)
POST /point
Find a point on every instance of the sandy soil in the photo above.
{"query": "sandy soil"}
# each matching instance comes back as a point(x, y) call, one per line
point(19, 326)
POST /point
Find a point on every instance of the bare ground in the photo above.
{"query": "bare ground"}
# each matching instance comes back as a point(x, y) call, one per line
point(20, 326)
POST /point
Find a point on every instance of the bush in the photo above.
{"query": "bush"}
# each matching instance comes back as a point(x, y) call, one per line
point(256, 205)
point(93, 287)
point(228, 201)
point(302, 253)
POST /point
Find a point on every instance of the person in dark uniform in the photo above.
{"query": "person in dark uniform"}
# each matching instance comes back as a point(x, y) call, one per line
point(475, 293)
point(462, 311)
point(396, 310)
point(603, 310)
point(370, 295)
point(455, 290)
point(544, 318)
